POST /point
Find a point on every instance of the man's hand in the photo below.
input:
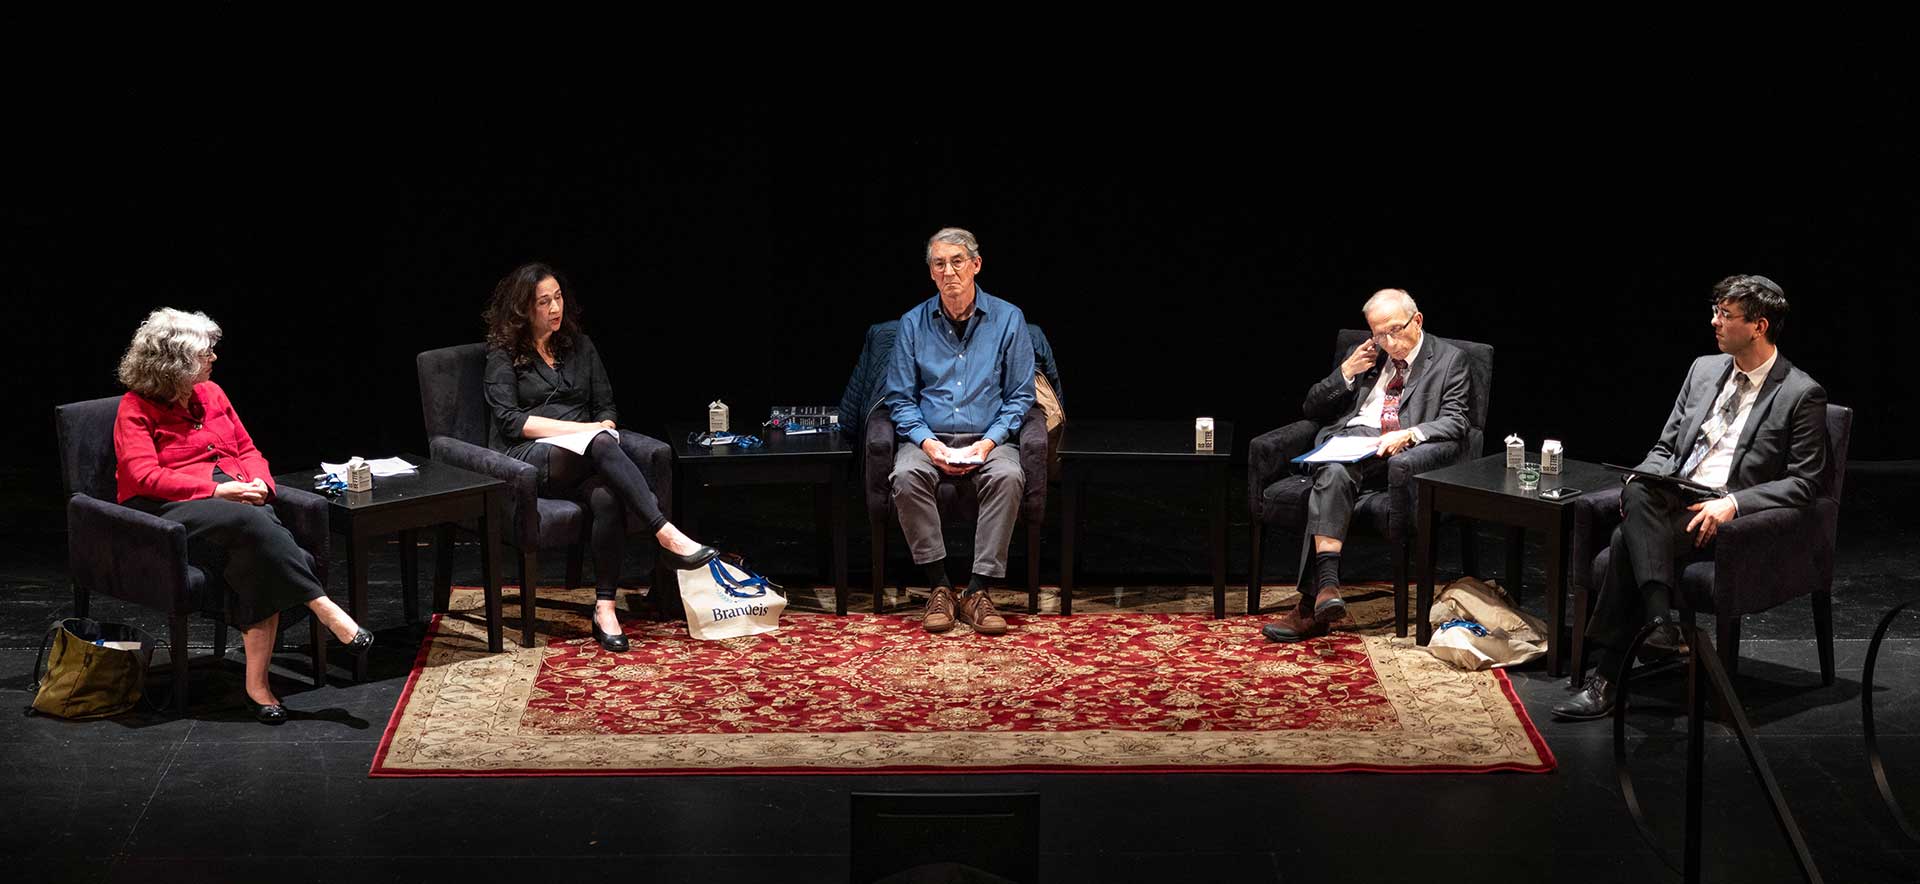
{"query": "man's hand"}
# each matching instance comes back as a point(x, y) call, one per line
point(254, 492)
point(941, 456)
point(1358, 361)
point(1709, 516)
point(1394, 443)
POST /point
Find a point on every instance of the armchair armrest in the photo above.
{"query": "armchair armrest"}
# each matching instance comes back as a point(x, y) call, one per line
point(1033, 463)
point(1401, 468)
point(523, 483)
point(307, 516)
point(876, 457)
point(1267, 457)
point(655, 459)
point(127, 554)
point(1768, 557)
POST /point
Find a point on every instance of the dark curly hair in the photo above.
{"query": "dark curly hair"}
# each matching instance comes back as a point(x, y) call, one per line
point(507, 315)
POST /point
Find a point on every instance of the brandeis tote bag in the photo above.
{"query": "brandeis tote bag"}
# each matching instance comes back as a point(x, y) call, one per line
point(727, 600)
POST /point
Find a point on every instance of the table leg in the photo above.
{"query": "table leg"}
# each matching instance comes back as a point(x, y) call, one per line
point(410, 575)
point(837, 495)
point(357, 548)
point(1557, 590)
point(442, 566)
point(1423, 631)
point(1219, 527)
point(822, 532)
point(1516, 561)
point(491, 519)
point(1069, 525)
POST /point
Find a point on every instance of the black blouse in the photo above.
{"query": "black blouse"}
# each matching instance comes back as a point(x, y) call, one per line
point(576, 389)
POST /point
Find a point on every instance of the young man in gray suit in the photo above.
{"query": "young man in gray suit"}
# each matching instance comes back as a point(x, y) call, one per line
point(1400, 386)
point(1747, 422)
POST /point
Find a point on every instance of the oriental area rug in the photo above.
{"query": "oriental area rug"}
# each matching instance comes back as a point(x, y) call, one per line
point(1152, 687)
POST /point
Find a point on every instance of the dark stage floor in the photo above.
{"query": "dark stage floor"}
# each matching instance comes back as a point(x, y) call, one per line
point(214, 796)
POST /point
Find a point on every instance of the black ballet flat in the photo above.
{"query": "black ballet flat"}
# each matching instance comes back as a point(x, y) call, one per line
point(616, 643)
point(362, 641)
point(272, 713)
point(699, 559)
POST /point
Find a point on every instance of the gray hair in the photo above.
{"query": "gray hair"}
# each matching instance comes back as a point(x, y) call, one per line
point(166, 351)
point(1390, 298)
point(954, 236)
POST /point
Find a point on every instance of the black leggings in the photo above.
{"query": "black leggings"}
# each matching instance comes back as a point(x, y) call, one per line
point(612, 484)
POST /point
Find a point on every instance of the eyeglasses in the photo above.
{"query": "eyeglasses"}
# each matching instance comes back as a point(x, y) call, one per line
point(1725, 315)
point(1394, 332)
point(940, 265)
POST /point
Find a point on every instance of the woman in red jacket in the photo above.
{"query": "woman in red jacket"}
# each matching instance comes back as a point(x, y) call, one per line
point(184, 456)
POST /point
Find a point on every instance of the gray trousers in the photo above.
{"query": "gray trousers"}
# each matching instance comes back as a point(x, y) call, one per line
point(1336, 486)
point(999, 484)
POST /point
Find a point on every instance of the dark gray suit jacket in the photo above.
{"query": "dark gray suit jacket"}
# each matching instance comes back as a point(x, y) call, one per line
point(1436, 401)
point(1782, 448)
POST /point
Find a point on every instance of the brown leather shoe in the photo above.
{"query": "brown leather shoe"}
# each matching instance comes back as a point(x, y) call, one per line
point(1295, 626)
point(977, 611)
point(939, 616)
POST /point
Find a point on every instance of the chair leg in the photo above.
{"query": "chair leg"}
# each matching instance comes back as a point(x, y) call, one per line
point(576, 557)
point(1402, 558)
point(1823, 634)
point(1255, 540)
point(1033, 566)
point(529, 582)
point(219, 638)
point(877, 529)
point(318, 646)
point(177, 635)
point(1727, 627)
point(443, 567)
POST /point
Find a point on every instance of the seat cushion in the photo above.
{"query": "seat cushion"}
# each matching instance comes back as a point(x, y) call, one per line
point(562, 522)
point(1285, 503)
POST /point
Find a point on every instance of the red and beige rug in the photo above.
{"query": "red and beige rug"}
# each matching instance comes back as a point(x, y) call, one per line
point(1122, 691)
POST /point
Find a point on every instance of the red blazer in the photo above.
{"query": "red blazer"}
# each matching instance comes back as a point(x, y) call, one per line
point(169, 452)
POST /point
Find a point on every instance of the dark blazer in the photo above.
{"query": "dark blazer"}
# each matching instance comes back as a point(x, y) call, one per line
point(1783, 446)
point(1435, 401)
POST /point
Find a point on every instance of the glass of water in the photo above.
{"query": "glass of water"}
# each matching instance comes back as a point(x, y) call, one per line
point(1529, 475)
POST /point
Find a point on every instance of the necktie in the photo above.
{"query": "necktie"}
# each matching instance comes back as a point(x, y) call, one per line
point(1716, 426)
point(1390, 409)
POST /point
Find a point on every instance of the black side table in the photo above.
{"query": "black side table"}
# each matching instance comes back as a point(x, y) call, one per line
point(1121, 449)
point(436, 495)
point(1486, 490)
point(817, 459)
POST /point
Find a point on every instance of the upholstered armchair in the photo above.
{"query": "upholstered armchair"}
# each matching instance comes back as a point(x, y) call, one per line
point(142, 558)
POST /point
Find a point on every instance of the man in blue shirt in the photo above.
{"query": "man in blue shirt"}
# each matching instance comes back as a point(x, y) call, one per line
point(959, 386)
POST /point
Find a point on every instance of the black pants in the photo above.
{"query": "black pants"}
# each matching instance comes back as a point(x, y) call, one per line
point(610, 484)
point(265, 571)
point(1651, 546)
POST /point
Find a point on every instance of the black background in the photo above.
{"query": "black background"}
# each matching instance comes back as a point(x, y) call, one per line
point(1190, 252)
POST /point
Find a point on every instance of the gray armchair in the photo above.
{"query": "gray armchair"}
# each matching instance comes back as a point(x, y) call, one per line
point(1277, 491)
point(453, 403)
point(1759, 560)
point(142, 558)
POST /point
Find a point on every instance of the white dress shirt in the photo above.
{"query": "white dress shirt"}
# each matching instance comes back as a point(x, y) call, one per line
point(1713, 470)
point(1369, 415)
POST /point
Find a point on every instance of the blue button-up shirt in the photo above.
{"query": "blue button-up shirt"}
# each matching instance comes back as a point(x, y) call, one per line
point(938, 383)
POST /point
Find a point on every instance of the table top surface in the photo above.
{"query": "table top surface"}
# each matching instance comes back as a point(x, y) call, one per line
point(1490, 475)
point(1143, 439)
point(432, 479)
point(778, 445)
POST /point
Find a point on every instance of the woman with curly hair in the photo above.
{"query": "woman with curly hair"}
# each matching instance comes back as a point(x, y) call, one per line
point(544, 379)
point(184, 456)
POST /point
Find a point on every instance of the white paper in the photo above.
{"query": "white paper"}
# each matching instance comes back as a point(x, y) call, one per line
point(575, 442)
point(1343, 449)
point(385, 466)
point(955, 457)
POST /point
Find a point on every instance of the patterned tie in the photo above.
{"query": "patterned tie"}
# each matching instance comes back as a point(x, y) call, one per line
point(1716, 426)
point(1390, 409)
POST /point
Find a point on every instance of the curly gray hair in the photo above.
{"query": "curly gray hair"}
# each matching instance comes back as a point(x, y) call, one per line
point(166, 350)
point(954, 236)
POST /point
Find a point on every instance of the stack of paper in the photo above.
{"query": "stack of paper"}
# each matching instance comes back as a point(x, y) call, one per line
point(385, 466)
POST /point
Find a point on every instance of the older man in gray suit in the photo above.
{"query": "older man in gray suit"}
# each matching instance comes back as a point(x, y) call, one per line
point(1747, 422)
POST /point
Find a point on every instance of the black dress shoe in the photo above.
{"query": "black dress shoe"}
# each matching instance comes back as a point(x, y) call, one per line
point(616, 643)
point(272, 713)
point(1595, 700)
point(700, 558)
point(362, 640)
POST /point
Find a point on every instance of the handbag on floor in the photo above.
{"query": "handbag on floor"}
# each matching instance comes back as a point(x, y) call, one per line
point(725, 599)
point(1476, 626)
point(93, 670)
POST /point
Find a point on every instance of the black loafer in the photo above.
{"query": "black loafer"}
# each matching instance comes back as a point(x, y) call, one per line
point(273, 713)
point(699, 559)
point(362, 641)
point(616, 643)
point(1595, 700)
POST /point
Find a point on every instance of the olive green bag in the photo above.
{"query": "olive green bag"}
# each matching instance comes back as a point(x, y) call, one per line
point(84, 679)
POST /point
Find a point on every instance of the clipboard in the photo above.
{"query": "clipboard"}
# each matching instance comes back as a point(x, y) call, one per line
point(1704, 492)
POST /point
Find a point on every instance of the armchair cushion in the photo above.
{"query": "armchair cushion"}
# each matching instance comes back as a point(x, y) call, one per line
point(128, 554)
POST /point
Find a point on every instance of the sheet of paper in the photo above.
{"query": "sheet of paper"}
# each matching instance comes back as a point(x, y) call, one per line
point(383, 466)
point(576, 442)
point(959, 459)
point(1342, 449)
